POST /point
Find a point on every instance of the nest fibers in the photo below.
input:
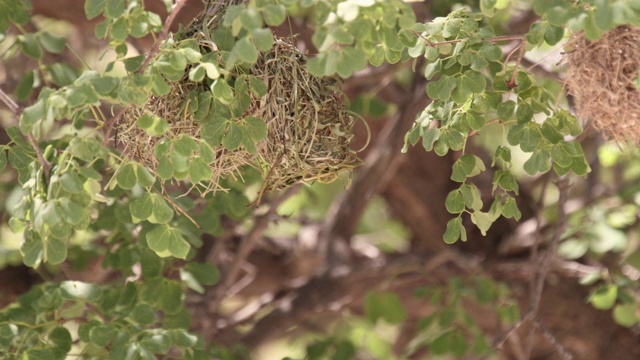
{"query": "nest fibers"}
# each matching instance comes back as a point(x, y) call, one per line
point(603, 78)
point(308, 127)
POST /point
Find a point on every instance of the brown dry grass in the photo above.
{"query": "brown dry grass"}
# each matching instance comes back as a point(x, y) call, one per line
point(601, 77)
point(309, 129)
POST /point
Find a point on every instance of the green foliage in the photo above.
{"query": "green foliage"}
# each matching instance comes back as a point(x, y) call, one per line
point(450, 329)
point(465, 101)
point(73, 186)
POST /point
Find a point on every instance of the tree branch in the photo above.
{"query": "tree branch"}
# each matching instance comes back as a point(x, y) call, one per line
point(379, 167)
point(247, 245)
point(544, 265)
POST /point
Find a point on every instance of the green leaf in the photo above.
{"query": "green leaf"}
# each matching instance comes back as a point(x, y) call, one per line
point(144, 176)
point(162, 212)
point(454, 231)
point(418, 49)
point(386, 306)
point(553, 34)
point(165, 241)
point(591, 31)
point(126, 176)
point(172, 295)
point(105, 85)
point(430, 137)
point(60, 338)
point(377, 58)
point(213, 132)
point(205, 273)
point(51, 43)
point(55, 251)
point(93, 8)
point(234, 136)
point(3, 159)
point(482, 220)
point(505, 180)
point(441, 89)
point(114, 8)
point(510, 209)
point(341, 35)
point(471, 196)
point(441, 344)
point(30, 46)
point(505, 110)
point(71, 182)
point(273, 14)
point(263, 38)
point(222, 91)
point(141, 208)
point(31, 116)
point(197, 73)
point(246, 51)
point(143, 314)
point(538, 162)
point(255, 128)
point(102, 335)
point(199, 170)
point(257, 86)
point(158, 86)
point(474, 81)
point(467, 166)
point(455, 202)
point(459, 344)
point(604, 297)
point(524, 113)
point(119, 30)
point(26, 85)
point(573, 248)
point(72, 212)
point(625, 314)
point(491, 52)
point(31, 250)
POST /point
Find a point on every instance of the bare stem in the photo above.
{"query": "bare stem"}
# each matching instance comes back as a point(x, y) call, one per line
point(248, 243)
point(15, 109)
point(543, 266)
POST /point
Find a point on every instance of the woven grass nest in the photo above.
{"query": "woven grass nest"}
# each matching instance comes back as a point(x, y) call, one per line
point(601, 76)
point(308, 127)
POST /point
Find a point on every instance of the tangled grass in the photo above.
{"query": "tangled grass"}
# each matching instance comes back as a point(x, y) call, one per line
point(308, 126)
point(603, 78)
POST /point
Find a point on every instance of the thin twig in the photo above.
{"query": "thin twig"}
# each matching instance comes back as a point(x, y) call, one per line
point(544, 265)
point(152, 53)
point(248, 243)
point(561, 350)
point(17, 111)
point(494, 39)
point(519, 48)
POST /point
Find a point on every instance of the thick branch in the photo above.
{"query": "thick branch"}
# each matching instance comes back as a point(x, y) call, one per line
point(380, 166)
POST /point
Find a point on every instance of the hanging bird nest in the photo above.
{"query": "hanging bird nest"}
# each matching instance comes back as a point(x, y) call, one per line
point(308, 127)
point(603, 78)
